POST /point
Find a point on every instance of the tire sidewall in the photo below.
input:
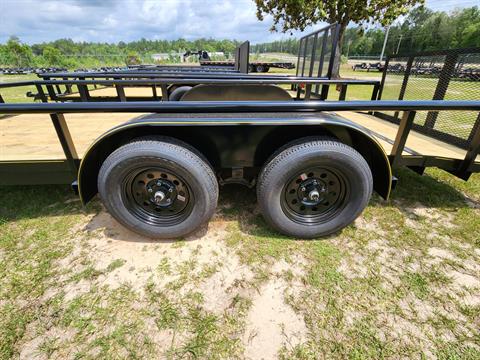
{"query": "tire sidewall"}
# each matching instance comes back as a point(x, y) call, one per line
point(358, 183)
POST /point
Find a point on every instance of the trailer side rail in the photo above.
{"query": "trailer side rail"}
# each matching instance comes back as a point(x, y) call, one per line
point(461, 168)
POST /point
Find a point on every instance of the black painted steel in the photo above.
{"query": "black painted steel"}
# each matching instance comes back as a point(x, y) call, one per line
point(239, 106)
point(157, 196)
point(314, 196)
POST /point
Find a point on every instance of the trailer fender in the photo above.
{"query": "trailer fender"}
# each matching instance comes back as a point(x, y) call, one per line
point(215, 92)
point(120, 135)
point(345, 131)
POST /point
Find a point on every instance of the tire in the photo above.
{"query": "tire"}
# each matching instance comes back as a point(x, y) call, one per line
point(159, 189)
point(260, 68)
point(177, 94)
point(314, 187)
point(251, 68)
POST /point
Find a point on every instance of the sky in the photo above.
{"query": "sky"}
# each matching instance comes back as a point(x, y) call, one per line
point(35, 21)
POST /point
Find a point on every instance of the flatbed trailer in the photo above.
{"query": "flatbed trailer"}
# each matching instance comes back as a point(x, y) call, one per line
point(157, 163)
point(253, 67)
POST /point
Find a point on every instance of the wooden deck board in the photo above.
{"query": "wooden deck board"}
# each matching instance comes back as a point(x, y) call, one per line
point(112, 92)
point(32, 137)
point(417, 142)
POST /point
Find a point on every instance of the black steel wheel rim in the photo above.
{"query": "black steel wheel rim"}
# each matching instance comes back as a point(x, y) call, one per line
point(157, 196)
point(315, 195)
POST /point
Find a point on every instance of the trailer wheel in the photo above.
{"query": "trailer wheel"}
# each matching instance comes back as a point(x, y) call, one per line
point(314, 187)
point(260, 68)
point(160, 189)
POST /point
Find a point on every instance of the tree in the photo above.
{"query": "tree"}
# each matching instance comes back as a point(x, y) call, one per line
point(53, 56)
point(17, 54)
point(298, 14)
point(133, 58)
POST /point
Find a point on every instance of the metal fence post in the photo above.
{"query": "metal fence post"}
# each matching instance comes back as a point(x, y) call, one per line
point(472, 151)
point(406, 76)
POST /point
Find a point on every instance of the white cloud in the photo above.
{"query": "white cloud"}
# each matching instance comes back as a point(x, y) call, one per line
point(36, 21)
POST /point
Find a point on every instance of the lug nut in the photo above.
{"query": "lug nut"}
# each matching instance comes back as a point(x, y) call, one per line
point(303, 188)
point(150, 190)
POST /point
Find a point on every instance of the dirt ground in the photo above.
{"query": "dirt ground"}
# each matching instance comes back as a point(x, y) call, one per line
point(402, 282)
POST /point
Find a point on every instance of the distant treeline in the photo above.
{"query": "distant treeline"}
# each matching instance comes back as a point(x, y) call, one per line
point(70, 54)
point(423, 29)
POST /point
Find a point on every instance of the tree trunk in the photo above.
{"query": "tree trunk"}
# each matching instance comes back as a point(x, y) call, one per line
point(338, 53)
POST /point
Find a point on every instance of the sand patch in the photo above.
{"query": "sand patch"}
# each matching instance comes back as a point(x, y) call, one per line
point(272, 324)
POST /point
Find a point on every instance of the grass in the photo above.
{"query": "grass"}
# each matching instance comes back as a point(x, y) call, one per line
point(364, 291)
point(401, 282)
point(17, 94)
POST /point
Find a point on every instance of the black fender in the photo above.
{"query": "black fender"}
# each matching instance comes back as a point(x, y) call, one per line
point(226, 92)
point(223, 138)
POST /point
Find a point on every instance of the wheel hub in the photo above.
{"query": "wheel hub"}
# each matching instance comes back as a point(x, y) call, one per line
point(163, 192)
point(311, 191)
point(159, 196)
point(313, 195)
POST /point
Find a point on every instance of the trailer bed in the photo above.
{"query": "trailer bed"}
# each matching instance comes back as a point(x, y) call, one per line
point(32, 136)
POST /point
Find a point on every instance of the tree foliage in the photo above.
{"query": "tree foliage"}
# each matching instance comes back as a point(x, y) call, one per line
point(417, 32)
point(16, 53)
point(422, 29)
point(298, 14)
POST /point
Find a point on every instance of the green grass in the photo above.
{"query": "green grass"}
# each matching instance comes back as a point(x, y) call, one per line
point(17, 94)
point(372, 291)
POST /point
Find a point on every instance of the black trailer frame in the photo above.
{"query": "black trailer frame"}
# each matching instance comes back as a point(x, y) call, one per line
point(256, 129)
point(65, 171)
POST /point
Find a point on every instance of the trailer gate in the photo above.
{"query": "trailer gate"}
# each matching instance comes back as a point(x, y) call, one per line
point(316, 55)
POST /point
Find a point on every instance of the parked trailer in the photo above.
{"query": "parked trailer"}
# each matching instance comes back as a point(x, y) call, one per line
point(159, 173)
point(253, 66)
point(157, 142)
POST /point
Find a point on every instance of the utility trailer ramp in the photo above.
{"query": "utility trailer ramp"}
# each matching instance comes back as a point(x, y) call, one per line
point(32, 136)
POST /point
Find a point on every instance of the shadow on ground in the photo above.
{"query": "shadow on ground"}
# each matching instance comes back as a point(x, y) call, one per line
point(236, 202)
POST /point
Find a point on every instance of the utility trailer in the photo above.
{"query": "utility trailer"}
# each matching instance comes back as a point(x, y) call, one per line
point(253, 66)
point(157, 165)
point(156, 144)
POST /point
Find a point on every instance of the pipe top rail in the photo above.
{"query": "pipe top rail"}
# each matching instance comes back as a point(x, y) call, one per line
point(250, 81)
point(238, 106)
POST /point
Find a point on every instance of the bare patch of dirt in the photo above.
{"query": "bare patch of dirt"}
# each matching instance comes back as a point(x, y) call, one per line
point(141, 256)
point(433, 215)
point(272, 324)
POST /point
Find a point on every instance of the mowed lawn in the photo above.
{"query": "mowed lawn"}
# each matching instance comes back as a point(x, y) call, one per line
point(402, 282)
